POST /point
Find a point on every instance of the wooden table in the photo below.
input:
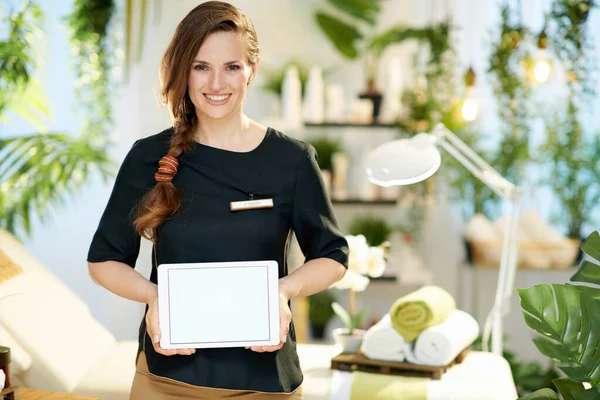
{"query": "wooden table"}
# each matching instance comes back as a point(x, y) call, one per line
point(23, 393)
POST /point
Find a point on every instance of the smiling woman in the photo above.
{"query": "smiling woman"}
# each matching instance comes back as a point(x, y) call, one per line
point(217, 187)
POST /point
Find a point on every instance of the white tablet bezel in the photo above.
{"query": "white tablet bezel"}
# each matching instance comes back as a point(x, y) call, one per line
point(272, 306)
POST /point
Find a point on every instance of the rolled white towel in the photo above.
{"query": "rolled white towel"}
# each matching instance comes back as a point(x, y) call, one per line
point(383, 342)
point(440, 344)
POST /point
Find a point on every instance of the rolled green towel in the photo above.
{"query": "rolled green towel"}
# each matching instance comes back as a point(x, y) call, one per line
point(387, 387)
point(419, 310)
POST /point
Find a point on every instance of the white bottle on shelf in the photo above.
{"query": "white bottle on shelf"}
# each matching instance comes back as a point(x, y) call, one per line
point(335, 103)
point(391, 106)
point(291, 97)
point(314, 96)
point(341, 164)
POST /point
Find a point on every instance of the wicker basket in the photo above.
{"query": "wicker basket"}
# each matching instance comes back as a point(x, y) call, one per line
point(532, 254)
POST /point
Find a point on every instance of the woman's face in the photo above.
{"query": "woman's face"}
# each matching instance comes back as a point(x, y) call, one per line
point(219, 75)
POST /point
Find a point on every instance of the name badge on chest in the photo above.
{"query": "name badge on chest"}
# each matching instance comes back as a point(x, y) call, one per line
point(250, 204)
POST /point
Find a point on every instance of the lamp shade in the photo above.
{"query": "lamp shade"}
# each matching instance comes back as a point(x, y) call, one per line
point(403, 161)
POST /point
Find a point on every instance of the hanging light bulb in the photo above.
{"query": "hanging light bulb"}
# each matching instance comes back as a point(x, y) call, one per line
point(470, 106)
point(542, 68)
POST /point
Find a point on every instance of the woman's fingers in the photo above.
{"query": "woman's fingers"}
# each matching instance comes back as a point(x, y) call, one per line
point(266, 349)
point(186, 352)
point(153, 329)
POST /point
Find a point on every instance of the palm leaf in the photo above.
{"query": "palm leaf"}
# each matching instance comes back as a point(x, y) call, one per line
point(31, 105)
point(40, 170)
point(568, 319)
point(342, 35)
point(365, 10)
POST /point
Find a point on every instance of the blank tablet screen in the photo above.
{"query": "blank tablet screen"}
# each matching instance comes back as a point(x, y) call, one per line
point(218, 304)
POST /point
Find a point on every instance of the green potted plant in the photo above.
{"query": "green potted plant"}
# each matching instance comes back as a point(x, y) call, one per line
point(320, 312)
point(375, 229)
point(567, 318)
point(350, 337)
point(351, 28)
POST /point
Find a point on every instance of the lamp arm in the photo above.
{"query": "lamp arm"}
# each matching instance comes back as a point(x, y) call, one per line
point(474, 163)
point(441, 131)
point(465, 162)
point(508, 262)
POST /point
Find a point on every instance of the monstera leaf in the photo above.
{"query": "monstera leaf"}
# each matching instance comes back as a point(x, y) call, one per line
point(568, 319)
point(542, 394)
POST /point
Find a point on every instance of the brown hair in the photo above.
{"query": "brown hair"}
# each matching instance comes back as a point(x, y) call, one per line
point(164, 199)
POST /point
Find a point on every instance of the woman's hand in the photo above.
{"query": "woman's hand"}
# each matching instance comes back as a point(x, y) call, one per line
point(285, 317)
point(153, 329)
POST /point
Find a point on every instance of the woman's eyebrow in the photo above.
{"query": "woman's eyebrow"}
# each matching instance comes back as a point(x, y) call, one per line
point(207, 63)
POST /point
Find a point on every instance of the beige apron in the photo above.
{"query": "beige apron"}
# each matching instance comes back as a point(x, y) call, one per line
point(147, 386)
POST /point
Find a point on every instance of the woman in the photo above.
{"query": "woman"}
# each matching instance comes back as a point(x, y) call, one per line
point(175, 189)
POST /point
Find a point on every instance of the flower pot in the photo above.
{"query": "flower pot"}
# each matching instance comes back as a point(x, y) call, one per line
point(376, 98)
point(348, 343)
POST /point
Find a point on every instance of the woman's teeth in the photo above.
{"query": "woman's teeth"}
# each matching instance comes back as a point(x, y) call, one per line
point(217, 100)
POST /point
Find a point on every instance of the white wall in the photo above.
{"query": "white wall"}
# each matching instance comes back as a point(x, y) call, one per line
point(286, 29)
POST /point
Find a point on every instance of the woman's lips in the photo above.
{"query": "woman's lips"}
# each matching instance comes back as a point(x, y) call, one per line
point(217, 102)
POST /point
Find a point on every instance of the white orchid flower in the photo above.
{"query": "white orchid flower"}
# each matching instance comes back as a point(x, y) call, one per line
point(359, 253)
point(376, 262)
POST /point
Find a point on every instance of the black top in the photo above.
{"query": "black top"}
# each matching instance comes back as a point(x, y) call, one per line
point(205, 230)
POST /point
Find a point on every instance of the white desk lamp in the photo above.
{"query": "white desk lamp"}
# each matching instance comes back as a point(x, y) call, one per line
point(407, 161)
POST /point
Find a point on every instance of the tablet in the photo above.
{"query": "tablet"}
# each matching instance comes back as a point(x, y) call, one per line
point(219, 304)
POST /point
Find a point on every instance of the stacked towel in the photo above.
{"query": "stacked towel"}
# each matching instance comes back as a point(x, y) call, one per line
point(383, 342)
point(421, 309)
point(439, 345)
point(387, 387)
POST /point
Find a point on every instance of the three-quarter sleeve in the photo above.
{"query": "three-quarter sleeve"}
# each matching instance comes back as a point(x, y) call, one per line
point(116, 238)
point(313, 220)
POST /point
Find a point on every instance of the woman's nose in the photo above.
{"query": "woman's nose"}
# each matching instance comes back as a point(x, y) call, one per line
point(216, 81)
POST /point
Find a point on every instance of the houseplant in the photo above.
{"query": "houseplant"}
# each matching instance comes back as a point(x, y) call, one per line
point(349, 338)
point(363, 261)
point(320, 312)
point(375, 229)
point(351, 28)
point(39, 169)
point(567, 317)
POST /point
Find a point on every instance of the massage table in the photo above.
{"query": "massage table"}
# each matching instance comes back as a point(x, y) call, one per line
point(481, 376)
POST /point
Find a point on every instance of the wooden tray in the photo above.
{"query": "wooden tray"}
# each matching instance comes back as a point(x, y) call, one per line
point(359, 362)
